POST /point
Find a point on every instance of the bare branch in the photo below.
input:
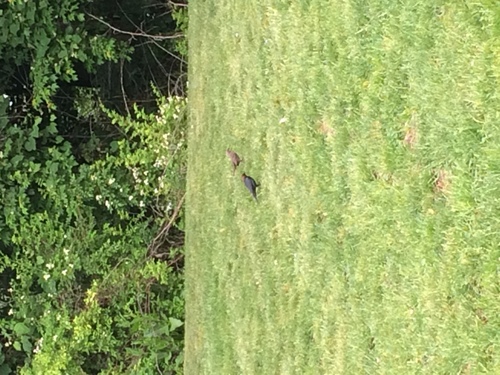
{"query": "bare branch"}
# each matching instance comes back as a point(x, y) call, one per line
point(177, 4)
point(166, 228)
point(123, 88)
point(142, 34)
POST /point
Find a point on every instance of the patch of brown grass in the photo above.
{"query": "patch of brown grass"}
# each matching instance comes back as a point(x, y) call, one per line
point(325, 128)
point(442, 181)
point(411, 135)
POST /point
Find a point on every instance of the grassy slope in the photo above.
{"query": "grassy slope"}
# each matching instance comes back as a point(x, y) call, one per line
point(366, 253)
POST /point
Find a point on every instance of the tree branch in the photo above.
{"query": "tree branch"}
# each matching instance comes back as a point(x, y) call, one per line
point(142, 35)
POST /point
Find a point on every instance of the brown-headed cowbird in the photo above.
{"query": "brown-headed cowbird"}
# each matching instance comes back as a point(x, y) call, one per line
point(251, 185)
point(234, 157)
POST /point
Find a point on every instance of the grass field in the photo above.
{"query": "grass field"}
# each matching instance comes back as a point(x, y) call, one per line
point(374, 130)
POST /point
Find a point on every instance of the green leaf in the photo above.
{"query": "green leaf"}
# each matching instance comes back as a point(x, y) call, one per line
point(5, 369)
point(30, 144)
point(40, 260)
point(114, 146)
point(17, 346)
point(30, 14)
point(62, 54)
point(54, 167)
point(35, 132)
point(175, 323)
point(34, 167)
point(77, 38)
point(27, 346)
point(14, 28)
point(21, 329)
point(52, 128)
point(16, 159)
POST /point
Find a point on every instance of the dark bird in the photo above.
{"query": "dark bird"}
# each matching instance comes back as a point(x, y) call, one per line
point(234, 157)
point(251, 185)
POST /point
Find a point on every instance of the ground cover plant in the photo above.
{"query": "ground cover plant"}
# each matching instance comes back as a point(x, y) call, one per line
point(373, 129)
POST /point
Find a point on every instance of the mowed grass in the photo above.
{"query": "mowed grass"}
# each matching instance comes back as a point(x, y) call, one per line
point(374, 130)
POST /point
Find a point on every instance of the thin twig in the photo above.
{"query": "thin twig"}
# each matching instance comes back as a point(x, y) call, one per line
point(177, 4)
point(142, 35)
point(166, 228)
point(123, 88)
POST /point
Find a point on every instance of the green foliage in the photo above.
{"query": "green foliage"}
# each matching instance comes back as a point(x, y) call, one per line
point(180, 15)
point(95, 287)
point(91, 222)
point(52, 36)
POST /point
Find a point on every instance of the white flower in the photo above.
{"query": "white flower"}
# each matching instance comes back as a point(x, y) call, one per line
point(49, 295)
point(98, 197)
point(141, 204)
point(64, 272)
point(130, 197)
point(9, 290)
point(283, 120)
point(71, 265)
point(38, 346)
point(107, 204)
point(46, 276)
point(54, 337)
point(146, 182)
point(11, 312)
point(49, 266)
point(66, 251)
point(110, 181)
point(58, 317)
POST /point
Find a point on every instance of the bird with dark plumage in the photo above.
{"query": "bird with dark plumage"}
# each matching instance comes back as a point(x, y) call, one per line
point(251, 185)
point(234, 157)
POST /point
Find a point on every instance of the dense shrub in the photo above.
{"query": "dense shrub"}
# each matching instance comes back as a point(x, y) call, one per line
point(92, 192)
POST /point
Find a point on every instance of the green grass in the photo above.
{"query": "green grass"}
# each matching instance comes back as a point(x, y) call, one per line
point(375, 247)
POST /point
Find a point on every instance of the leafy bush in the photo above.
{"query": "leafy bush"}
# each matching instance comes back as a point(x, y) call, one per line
point(93, 250)
point(92, 191)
